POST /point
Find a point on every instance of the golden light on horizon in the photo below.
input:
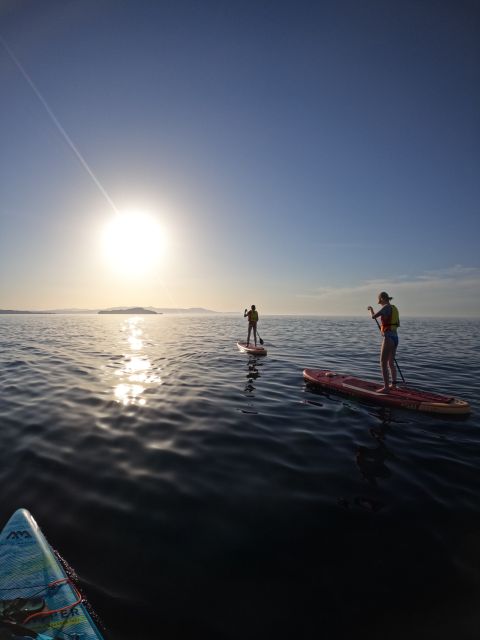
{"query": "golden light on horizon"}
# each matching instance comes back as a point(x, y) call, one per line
point(133, 243)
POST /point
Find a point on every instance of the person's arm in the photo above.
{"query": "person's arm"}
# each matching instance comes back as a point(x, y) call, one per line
point(375, 315)
point(245, 313)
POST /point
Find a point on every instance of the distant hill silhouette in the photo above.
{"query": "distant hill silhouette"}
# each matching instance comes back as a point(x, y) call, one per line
point(158, 310)
point(182, 310)
point(130, 310)
point(147, 310)
point(17, 312)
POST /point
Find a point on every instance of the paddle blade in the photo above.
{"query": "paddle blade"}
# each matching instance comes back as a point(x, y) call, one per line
point(261, 341)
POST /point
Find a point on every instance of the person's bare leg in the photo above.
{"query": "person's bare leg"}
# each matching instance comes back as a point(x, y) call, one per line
point(386, 353)
point(393, 369)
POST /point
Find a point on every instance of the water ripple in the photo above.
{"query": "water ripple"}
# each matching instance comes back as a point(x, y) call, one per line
point(212, 474)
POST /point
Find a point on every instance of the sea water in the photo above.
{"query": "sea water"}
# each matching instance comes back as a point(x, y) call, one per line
point(199, 491)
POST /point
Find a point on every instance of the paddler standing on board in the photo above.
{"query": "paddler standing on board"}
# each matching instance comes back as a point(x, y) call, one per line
point(252, 316)
point(390, 320)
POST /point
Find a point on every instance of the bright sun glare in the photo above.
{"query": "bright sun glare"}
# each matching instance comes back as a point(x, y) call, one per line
point(133, 243)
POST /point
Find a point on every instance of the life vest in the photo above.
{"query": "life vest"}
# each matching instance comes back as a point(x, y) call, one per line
point(253, 316)
point(391, 321)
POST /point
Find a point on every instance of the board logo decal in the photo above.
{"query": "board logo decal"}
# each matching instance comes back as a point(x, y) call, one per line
point(18, 535)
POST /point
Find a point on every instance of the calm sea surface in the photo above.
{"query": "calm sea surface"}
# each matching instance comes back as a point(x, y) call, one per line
point(200, 492)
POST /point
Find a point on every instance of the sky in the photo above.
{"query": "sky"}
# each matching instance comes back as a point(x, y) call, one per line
point(300, 156)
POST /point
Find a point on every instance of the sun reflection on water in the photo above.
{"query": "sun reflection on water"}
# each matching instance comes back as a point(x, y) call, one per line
point(137, 373)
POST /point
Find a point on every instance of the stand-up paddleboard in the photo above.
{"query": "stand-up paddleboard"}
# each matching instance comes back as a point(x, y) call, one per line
point(251, 348)
point(37, 599)
point(403, 397)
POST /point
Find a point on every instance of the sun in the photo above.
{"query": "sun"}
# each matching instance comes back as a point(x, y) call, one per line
point(133, 242)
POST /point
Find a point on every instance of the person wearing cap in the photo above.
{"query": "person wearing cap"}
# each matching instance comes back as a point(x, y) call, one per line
point(389, 322)
point(252, 316)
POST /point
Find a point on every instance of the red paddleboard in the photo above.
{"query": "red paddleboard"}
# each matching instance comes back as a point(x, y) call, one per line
point(251, 348)
point(401, 397)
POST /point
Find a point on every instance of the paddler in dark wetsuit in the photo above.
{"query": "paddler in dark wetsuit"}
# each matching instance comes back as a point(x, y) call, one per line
point(252, 316)
point(389, 319)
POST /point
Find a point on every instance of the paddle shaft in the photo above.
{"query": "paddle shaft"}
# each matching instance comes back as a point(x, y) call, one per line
point(394, 359)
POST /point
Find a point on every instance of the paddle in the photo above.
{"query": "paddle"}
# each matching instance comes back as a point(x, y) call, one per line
point(259, 338)
point(395, 360)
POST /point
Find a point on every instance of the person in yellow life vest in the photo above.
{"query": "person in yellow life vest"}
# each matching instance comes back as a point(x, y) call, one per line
point(390, 321)
point(252, 316)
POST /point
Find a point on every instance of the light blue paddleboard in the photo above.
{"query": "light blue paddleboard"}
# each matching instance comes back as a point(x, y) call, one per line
point(30, 572)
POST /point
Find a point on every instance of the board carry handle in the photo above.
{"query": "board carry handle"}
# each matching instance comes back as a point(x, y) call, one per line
point(49, 612)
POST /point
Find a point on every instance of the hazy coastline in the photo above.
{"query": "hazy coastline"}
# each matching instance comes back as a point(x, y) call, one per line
point(125, 310)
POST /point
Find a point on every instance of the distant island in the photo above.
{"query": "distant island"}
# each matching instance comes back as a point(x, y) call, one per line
point(131, 310)
point(17, 312)
point(124, 310)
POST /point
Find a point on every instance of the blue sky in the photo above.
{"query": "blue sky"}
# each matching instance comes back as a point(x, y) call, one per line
point(300, 156)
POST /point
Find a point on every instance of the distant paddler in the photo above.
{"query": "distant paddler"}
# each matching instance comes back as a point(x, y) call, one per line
point(390, 321)
point(252, 316)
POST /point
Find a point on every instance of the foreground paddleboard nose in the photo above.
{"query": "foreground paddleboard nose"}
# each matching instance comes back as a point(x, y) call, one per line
point(47, 603)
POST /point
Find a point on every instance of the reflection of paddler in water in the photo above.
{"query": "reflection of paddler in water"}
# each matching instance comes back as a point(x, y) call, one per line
point(252, 316)
point(371, 462)
point(385, 415)
point(253, 373)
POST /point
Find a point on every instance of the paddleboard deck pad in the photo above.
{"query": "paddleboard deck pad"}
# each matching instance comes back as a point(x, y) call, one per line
point(402, 396)
point(251, 348)
point(37, 598)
